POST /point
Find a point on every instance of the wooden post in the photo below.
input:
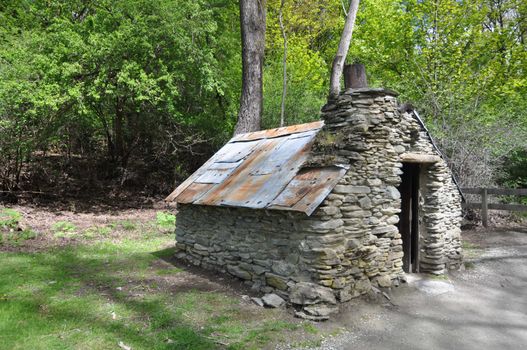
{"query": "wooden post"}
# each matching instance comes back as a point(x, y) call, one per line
point(355, 76)
point(484, 207)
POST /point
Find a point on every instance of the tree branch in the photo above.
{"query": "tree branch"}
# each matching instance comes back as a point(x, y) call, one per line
point(342, 51)
point(284, 64)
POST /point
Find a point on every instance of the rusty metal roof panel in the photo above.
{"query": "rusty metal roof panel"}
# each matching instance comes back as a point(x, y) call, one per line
point(308, 189)
point(235, 151)
point(288, 130)
point(262, 170)
point(193, 192)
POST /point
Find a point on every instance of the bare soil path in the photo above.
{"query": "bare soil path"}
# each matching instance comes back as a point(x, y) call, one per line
point(482, 307)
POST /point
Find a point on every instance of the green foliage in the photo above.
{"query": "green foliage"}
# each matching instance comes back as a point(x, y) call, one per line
point(9, 218)
point(131, 76)
point(63, 229)
point(16, 237)
point(157, 82)
point(308, 26)
point(128, 225)
point(10, 232)
point(166, 221)
point(92, 232)
point(514, 173)
point(306, 89)
point(515, 169)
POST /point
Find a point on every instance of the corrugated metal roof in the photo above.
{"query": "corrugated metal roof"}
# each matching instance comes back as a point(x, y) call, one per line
point(262, 170)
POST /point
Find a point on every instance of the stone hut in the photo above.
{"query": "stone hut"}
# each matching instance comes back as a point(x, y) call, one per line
point(322, 212)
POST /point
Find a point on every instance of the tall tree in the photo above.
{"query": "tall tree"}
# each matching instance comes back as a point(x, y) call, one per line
point(342, 51)
point(252, 20)
point(284, 64)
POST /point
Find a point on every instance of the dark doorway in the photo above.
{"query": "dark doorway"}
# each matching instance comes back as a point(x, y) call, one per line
point(409, 216)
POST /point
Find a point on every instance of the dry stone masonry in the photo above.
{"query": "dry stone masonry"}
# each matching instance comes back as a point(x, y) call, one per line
point(351, 243)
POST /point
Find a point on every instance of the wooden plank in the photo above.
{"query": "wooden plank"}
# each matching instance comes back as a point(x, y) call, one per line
point(510, 207)
point(415, 218)
point(471, 190)
point(498, 191)
point(419, 158)
point(193, 192)
point(497, 206)
point(484, 208)
point(272, 133)
point(508, 191)
point(405, 228)
point(471, 205)
point(409, 216)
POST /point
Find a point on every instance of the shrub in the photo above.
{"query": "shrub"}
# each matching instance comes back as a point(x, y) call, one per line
point(63, 229)
point(9, 218)
point(128, 225)
point(165, 221)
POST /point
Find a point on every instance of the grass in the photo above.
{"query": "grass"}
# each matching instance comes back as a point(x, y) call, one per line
point(99, 293)
point(98, 231)
point(437, 277)
point(469, 265)
point(469, 246)
point(165, 221)
point(10, 232)
point(63, 229)
point(128, 225)
point(9, 218)
point(470, 250)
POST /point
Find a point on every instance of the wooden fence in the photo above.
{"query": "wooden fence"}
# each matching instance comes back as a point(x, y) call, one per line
point(485, 206)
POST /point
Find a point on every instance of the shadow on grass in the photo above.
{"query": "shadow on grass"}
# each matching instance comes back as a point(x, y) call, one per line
point(94, 296)
point(210, 280)
point(66, 290)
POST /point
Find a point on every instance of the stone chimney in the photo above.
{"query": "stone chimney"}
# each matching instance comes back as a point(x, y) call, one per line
point(355, 76)
point(362, 131)
point(357, 123)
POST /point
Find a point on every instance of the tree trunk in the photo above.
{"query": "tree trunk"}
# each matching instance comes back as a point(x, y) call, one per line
point(355, 76)
point(342, 52)
point(252, 20)
point(118, 131)
point(284, 64)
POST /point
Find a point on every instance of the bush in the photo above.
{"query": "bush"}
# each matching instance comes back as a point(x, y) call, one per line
point(165, 221)
point(9, 218)
point(10, 230)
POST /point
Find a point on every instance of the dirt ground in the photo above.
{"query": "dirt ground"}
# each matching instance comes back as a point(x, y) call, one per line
point(482, 307)
point(42, 219)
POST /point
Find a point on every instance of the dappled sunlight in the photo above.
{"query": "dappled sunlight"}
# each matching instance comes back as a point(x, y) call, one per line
point(77, 293)
point(93, 296)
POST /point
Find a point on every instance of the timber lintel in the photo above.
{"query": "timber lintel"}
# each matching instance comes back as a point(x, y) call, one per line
point(419, 158)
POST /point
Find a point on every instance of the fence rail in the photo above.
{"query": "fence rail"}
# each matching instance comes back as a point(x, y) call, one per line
point(485, 206)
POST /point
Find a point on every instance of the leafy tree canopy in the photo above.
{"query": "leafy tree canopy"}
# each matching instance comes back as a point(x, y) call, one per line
point(159, 80)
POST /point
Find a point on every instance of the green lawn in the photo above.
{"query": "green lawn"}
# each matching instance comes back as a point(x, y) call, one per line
point(99, 293)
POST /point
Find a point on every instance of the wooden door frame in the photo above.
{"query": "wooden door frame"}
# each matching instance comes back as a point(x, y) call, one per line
point(409, 216)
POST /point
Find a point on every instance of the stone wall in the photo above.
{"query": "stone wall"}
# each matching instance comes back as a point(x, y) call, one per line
point(367, 129)
point(440, 209)
point(351, 241)
point(272, 250)
point(363, 129)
